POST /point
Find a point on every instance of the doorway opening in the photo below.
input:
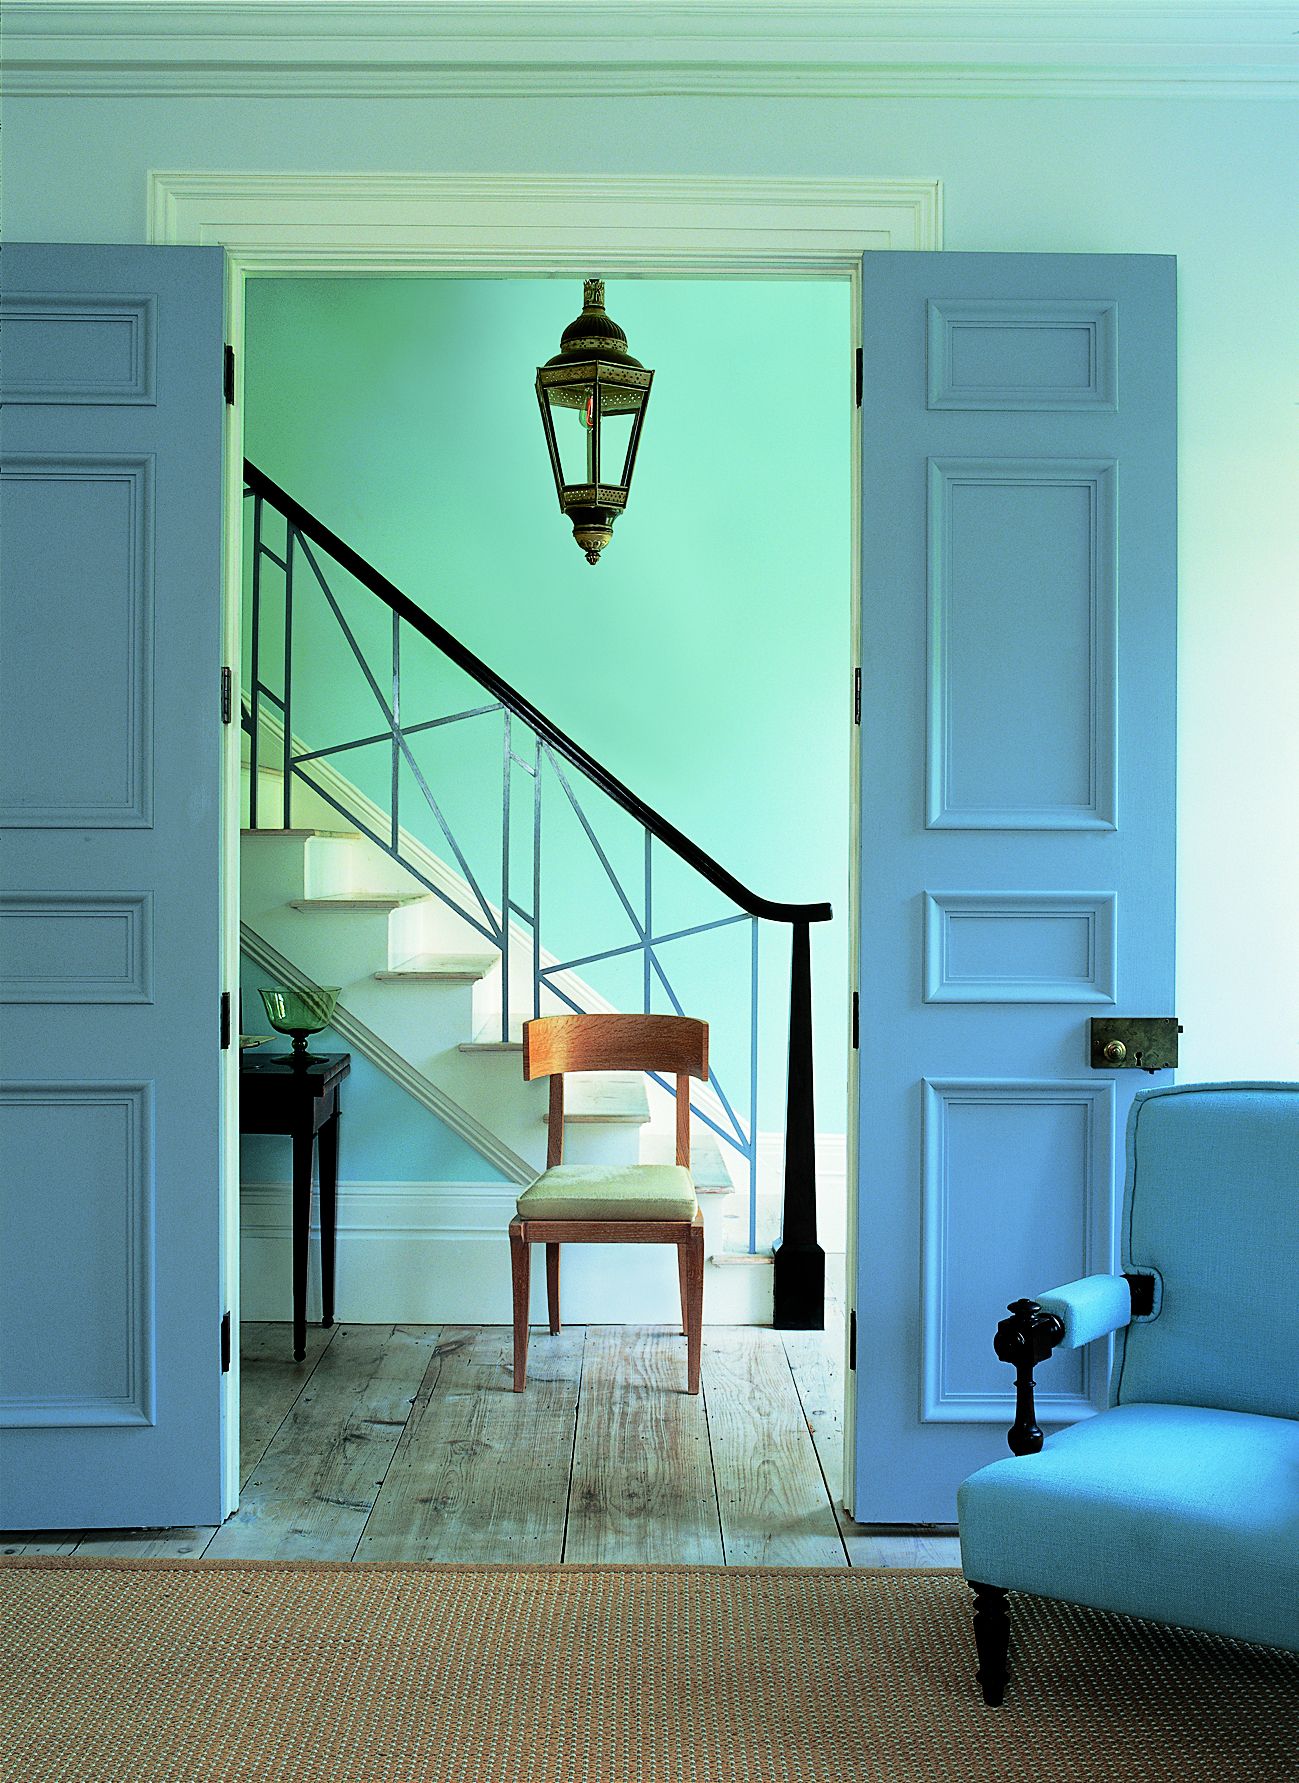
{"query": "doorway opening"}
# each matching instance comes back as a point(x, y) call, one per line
point(706, 660)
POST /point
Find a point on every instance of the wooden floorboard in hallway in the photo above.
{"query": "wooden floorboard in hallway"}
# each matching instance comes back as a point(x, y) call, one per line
point(406, 1443)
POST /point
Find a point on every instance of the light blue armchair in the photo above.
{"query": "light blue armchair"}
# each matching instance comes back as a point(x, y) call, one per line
point(1180, 1503)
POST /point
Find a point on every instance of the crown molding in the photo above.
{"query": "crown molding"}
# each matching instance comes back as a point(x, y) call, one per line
point(543, 49)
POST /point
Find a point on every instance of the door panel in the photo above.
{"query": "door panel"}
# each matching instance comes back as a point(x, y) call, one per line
point(110, 626)
point(1017, 771)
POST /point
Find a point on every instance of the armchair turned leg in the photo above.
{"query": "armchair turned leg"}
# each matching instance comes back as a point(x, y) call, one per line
point(520, 1272)
point(991, 1640)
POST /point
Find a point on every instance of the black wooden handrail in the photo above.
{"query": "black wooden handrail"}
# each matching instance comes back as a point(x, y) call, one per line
point(464, 658)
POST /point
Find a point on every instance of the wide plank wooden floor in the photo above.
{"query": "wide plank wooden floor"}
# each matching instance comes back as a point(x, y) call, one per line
point(405, 1442)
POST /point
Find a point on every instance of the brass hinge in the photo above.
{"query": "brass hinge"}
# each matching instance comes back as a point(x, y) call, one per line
point(225, 1021)
point(856, 1021)
point(852, 1339)
point(227, 696)
point(859, 377)
point(230, 374)
point(225, 1343)
point(856, 696)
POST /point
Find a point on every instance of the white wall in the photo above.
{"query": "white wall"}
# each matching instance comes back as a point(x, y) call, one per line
point(1208, 179)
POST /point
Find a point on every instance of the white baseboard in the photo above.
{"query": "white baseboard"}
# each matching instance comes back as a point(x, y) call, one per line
point(436, 1253)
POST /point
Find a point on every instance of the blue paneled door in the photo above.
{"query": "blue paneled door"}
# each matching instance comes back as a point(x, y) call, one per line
point(110, 960)
point(1017, 741)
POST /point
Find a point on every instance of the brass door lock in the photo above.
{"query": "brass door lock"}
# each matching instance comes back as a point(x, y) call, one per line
point(1141, 1042)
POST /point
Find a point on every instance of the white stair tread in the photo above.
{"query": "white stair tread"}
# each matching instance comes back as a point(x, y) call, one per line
point(265, 829)
point(605, 1096)
point(359, 901)
point(441, 968)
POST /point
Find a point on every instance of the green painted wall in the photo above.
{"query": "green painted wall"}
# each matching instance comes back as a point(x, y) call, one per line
point(1206, 176)
point(704, 660)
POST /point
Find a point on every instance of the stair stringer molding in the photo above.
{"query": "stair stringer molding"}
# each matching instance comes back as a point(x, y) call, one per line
point(461, 1122)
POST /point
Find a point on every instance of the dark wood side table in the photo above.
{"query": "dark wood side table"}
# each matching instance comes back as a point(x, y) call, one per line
point(276, 1096)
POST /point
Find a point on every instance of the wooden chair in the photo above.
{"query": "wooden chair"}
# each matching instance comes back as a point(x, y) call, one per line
point(611, 1204)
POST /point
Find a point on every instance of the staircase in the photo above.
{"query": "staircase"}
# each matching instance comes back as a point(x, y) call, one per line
point(364, 879)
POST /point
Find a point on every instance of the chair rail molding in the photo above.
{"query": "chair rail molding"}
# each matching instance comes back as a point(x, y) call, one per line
point(759, 48)
point(542, 224)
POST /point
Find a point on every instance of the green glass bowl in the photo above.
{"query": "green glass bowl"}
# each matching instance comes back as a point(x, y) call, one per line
point(299, 1013)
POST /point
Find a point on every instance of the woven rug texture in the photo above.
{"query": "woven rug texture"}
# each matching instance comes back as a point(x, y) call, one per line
point(225, 1672)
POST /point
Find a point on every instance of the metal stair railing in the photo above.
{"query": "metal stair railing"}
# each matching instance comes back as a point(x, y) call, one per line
point(535, 747)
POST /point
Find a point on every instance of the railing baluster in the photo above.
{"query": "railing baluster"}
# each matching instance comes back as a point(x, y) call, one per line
point(649, 916)
point(288, 676)
point(799, 1286)
point(536, 879)
point(255, 665)
point(753, 1088)
point(396, 726)
point(505, 878)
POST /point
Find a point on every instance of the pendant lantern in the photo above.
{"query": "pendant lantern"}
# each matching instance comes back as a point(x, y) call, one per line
point(593, 396)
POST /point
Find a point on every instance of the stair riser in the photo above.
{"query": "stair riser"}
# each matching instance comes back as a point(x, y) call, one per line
point(601, 1142)
point(309, 812)
point(330, 947)
point(419, 1021)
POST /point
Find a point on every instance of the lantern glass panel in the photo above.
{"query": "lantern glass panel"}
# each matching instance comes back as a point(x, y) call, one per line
point(615, 434)
point(570, 406)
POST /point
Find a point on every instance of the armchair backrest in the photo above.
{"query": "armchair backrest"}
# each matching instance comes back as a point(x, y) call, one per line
point(1211, 1208)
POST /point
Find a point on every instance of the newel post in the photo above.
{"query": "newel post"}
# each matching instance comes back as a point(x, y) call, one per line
point(799, 1286)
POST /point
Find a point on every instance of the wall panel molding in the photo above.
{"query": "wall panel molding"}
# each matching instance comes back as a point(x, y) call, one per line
point(754, 48)
point(134, 810)
point(942, 1399)
point(76, 947)
point(130, 322)
point(132, 1344)
point(949, 979)
point(949, 479)
point(1091, 328)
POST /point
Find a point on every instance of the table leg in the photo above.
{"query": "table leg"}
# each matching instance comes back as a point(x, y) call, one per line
point(302, 1147)
point(328, 1216)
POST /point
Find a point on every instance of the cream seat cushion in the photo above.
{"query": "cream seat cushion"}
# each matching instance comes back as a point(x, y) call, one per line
point(610, 1192)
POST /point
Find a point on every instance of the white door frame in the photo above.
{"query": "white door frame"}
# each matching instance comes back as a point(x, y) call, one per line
point(328, 225)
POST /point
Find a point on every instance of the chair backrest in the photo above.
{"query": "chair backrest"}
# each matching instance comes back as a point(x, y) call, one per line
point(672, 1044)
point(1211, 1208)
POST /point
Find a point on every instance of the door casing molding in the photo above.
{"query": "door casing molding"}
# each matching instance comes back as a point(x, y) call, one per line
point(539, 226)
point(542, 225)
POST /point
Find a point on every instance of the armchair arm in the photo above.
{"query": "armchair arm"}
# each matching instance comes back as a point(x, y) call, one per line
point(1067, 1317)
point(1090, 1308)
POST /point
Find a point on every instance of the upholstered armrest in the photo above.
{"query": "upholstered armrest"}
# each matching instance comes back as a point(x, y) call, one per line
point(1090, 1308)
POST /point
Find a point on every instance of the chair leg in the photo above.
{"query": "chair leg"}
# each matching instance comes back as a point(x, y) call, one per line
point(552, 1286)
point(520, 1272)
point(694, 1254)
point(991, 1640)
point(683, 1277)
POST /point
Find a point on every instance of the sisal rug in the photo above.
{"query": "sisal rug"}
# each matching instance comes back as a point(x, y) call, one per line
point(221, 1671)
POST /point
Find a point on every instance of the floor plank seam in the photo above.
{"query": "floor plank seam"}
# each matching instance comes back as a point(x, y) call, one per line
point(820, 1464)
point(396, 1447)
point(712, 1464)
point(572, 1453)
